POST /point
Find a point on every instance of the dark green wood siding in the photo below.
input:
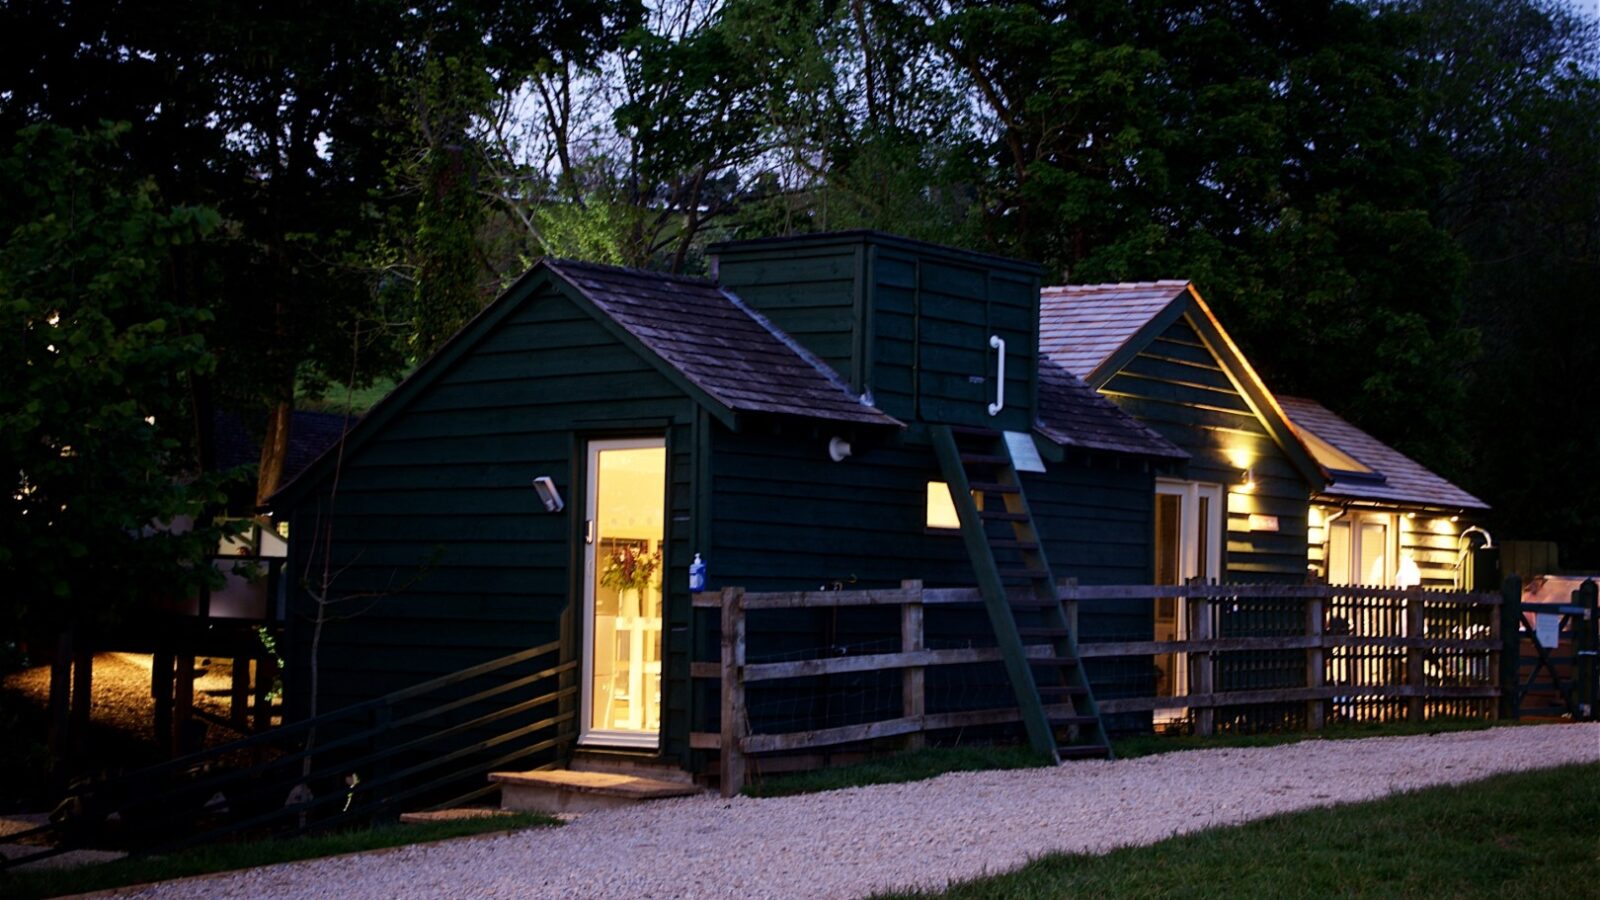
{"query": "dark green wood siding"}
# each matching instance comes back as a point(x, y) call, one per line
point(786, 517)
point(908, 322)
point(435, 515)
point(1176, 386)
point(809, 291)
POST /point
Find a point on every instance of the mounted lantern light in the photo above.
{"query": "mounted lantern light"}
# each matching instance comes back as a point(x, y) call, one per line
point(838, 449)
point(548, 494)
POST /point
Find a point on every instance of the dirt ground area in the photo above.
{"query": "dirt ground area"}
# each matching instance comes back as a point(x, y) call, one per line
point(121, 730)
point(121, 689)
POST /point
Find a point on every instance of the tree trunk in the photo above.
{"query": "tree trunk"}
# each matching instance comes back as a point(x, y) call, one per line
point(274, 450)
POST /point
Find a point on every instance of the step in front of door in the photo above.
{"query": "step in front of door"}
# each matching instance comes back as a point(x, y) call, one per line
point(566, 791)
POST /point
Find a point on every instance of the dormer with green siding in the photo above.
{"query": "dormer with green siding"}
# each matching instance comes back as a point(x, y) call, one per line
point(919, 328)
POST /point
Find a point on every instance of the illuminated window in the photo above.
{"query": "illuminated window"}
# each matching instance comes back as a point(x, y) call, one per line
point(942, 507)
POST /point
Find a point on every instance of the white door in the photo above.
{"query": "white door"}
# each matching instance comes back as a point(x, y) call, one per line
point(623, 562)
point(1188, 546)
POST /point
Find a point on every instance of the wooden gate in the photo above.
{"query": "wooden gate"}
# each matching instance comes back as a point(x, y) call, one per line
point(1551, 671)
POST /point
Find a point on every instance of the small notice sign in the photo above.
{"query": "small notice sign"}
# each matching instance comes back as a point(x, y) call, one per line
point(1024, 453)
point(1547, 628)
point(1263, 523)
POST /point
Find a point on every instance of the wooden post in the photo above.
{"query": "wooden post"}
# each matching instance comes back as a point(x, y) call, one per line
point(1316, 665)
point(1416, 652)
point(82, 698)
point(60, 698)
point(735, 720)
point(1586, 647)
point(161, 690)
point(183, 704)
point(1200, 664)
point(913, 697)
point(1511, 647)
point(239, 693)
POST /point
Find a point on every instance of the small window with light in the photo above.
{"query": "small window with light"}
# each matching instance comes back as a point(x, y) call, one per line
point(941, 508)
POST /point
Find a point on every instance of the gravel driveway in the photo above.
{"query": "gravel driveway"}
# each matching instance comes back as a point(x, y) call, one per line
point(854, 842)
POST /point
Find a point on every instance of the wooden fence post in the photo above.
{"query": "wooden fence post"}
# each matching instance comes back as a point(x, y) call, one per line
point(913, 696)
point(1586, 647)
point(1202, 664)
point(1316, 665)
point(1416, 676)
point(1511, 647)
point(735, 718)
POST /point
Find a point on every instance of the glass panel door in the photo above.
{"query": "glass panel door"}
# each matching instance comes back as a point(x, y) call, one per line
point(1188, 528)
point(626, 528)
point(1361, 549)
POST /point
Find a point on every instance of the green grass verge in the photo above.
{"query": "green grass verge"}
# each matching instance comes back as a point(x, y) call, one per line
point(913, 766)
point(1530, 834)
point(935, 761)
point(227, 857)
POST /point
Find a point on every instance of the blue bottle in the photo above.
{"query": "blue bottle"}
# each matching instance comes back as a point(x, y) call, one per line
point(697, 575)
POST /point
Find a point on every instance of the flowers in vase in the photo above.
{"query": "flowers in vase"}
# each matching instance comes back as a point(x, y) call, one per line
point(630, 568)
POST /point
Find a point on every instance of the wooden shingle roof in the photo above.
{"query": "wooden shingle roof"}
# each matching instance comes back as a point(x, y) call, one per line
point(723, 347)
point(1081, 326)
point(1075, 415)
point(1393, 475)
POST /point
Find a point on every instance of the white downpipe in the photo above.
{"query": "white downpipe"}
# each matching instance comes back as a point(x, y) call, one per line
point(999, 343)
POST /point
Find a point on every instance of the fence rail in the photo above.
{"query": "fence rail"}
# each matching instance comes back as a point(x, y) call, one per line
point(1355, 652)
point(427, 744)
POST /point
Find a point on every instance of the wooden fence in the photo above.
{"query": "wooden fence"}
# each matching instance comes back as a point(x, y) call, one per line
point(1359, 652)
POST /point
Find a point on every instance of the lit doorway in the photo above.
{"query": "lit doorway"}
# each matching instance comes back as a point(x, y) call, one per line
point(1188, 547)
point(623, 565)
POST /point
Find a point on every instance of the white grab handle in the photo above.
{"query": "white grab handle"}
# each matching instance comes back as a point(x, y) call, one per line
point(999, 343)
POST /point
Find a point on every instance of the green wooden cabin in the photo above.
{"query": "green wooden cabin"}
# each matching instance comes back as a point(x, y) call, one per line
point(774, 421)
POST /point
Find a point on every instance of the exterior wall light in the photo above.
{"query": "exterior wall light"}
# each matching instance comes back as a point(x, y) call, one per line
point(838, 449)
point(548, 494)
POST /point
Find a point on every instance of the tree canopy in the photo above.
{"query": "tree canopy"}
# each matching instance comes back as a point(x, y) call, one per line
point(1394, 204)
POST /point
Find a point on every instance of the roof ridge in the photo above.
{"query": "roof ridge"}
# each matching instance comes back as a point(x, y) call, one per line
point(1106, 285)
point(559, 261)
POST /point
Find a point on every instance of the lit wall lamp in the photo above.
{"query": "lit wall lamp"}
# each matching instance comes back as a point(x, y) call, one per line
point(545, 486)
point(838, 449)
point(1247, 481)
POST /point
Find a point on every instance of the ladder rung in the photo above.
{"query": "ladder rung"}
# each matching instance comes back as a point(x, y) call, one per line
point(993, 487)
point(1043, 631)
point(1009, 544)
point(1072, 720)
point(985, 459)
point(998, 515)
point(1024, 573)
point(1061, 690)
point(1020, 602)
point(1053, 662)
point(1084, 751)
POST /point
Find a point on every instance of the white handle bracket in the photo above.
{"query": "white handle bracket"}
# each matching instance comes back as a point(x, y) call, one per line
point(999, 343)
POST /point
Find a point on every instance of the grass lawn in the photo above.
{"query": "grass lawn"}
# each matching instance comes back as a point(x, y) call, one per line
point(226, 857)
point(934, 761)
point(1530, 834)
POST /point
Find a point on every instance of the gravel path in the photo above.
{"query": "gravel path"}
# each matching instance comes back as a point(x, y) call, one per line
point(854, 842)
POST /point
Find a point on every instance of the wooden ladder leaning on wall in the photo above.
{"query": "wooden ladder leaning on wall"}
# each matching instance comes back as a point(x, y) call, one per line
point(1070, 726)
